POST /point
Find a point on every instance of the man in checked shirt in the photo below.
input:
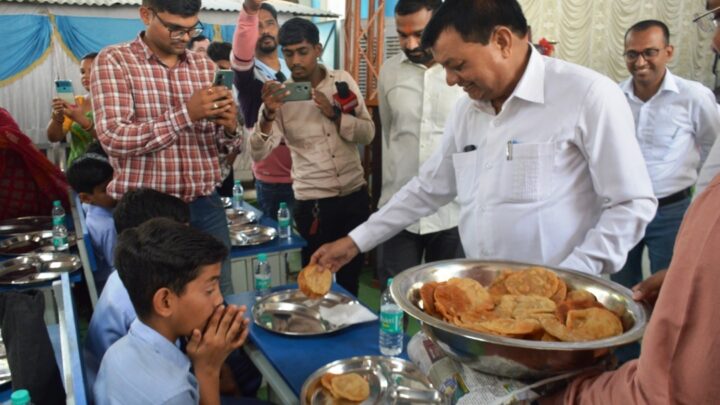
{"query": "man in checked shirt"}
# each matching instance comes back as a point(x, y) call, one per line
point(160, 118)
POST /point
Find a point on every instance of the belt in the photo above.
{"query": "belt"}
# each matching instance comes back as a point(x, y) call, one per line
point(673, 198)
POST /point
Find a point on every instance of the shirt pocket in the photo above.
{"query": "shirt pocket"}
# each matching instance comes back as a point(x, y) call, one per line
point(528, 176)
point(662, 140)
point(465, 175)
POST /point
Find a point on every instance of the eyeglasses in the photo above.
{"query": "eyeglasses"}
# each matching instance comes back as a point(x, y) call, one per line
point(177, 32)
point(707, 21)
point(649, 53)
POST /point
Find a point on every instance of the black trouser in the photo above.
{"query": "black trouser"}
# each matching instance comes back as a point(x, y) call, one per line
point(407, 249)
point(336, 217)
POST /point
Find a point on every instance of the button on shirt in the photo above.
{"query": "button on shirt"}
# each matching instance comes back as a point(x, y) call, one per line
point(414, 103)
point(326, 162)
point(676, 129)
point(144, 367)
point(143, 123)
point(556, 178)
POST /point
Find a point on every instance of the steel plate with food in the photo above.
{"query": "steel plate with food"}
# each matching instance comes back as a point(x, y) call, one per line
point(37, 268)
point(290, 312)
point(31, 243)
point(25, 224)
point(251, 234)
point(523, 321)
point(240, 217)
point(369, 380)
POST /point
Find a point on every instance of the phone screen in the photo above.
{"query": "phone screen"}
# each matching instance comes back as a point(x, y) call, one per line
point(64, 90)
point(224, 77)
point(299, 91)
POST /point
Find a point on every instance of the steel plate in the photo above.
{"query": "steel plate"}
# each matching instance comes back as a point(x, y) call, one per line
point(240, 217)
point(290, 312)
point(250, 234)
point(31, 243)
point(37, 268)
point(392, 381)
point(25, 225)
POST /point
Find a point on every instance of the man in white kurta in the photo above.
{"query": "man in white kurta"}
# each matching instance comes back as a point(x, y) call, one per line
point(543, 162)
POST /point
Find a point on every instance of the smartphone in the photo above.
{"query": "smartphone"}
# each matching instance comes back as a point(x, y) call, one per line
point(64, 90)
point(299, 91)
point(224, 77)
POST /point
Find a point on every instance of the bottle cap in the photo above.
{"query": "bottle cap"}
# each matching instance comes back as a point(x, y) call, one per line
point(56, 203)
point(237, 182)
point(262, 257)
point(283, 204)
point(20, 397)
point(389, 281)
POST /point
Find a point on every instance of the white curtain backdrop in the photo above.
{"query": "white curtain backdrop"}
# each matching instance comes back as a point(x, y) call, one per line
point(591, 33)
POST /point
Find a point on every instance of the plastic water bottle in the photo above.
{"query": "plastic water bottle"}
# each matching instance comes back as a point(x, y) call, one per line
point(60, 234)
point(391, 324)
point(237, 198)
point(20, 397)
point(283, 217)
point(262, 276)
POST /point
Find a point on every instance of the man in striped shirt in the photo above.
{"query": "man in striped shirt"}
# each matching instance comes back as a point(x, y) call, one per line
point(161, 119)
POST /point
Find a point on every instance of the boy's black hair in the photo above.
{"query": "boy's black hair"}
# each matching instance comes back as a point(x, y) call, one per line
point(90, 55)
point(475, 20)
point(407, 7)
point(218, 51)
point(89, 171)
point(647, 24)
point(270, 9)
point(162, 253)
point(138, 206)
point(192, 40)
point(183, 8)
point(296, 30)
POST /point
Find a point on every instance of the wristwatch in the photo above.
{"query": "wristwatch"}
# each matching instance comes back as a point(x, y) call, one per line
point(238, 132)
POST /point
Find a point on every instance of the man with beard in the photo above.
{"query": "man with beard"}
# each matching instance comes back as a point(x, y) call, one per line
point(540, 153)
point(414, 103)
point(161, 120)
point(254, 65)
point(328, 178)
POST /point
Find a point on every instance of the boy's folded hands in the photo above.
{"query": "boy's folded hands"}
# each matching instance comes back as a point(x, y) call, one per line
point(226, 331)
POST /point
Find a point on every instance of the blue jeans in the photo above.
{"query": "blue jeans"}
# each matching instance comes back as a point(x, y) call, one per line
point(208, 214)
point(659, 238)
point(270, 195)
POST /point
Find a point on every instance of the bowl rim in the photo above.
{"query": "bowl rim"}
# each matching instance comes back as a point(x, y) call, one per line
point(639, 310)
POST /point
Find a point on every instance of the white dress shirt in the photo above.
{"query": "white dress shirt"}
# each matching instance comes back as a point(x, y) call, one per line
point(574, 194)
point(414, 102)
point(676, 129)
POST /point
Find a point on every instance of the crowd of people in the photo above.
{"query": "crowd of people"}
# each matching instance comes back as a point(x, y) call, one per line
point(490, 151)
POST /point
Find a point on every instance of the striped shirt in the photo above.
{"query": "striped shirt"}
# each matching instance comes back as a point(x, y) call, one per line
point(143, 123)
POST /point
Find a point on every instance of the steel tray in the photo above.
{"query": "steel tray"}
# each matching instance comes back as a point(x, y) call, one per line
point(251, 234)
point(37, 268)
point(392, 381)
point(31, 243)
point(240, 217)
point(290, 312)
point(25, 224)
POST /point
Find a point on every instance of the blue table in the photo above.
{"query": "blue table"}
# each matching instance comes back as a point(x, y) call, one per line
point(287, 361)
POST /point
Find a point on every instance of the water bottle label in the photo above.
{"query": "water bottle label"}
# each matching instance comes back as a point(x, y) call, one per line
point(58, 242)
point(391, 322)
point(284, 222)
point(58, 220)
point(262, 284)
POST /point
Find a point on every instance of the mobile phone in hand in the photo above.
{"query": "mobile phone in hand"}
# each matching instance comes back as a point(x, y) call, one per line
point(64, 91)
point(299, 91)
point(224, 77)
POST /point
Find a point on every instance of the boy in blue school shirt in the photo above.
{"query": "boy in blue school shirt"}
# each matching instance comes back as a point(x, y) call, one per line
point(171, 272)
point(89, 176)
point(114, 313)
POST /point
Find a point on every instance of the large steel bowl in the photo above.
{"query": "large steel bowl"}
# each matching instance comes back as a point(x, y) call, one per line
point(508, 357)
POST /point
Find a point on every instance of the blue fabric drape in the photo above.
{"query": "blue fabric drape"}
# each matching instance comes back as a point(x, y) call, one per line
point(25, 39)
point(208, 31)
point(227, 32)
point(83, 35)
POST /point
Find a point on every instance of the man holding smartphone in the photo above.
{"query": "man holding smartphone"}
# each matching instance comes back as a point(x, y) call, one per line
point(161, 119)
point(328, 179)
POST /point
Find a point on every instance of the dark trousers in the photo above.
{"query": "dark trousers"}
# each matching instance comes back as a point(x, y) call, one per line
point(270, 195)
point(225, 188)
point(407, 249)
point(336, 216)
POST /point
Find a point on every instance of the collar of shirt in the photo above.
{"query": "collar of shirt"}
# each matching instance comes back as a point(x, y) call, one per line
point(98, 210)
point(405, 59)
point(270, 73)
point(668, 84)
point(531, 86)
point(159, 344)
point(139, 45)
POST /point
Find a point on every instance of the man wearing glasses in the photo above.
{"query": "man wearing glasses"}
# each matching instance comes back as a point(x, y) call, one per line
point(676, 122)
point(679, 363)
point(160, 118)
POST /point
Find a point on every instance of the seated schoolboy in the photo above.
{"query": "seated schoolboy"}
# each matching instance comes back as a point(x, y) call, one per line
point(89, 176)
point(113, 312)
point(171, 272)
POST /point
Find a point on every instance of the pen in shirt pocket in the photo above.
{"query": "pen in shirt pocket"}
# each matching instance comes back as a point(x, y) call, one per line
point(509, 149)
